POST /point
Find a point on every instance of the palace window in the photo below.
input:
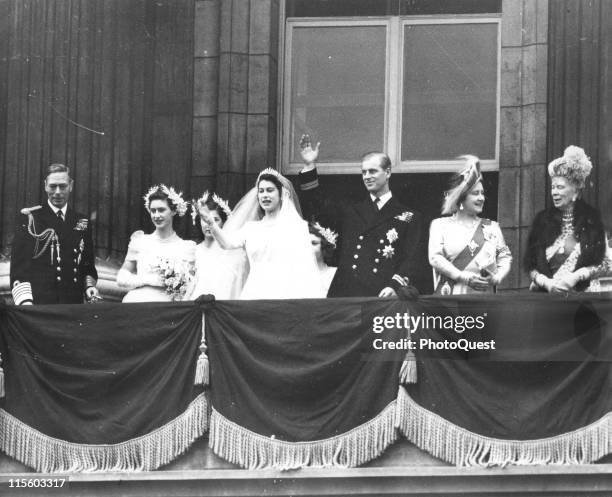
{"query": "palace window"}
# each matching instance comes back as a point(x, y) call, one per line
point(423, 88)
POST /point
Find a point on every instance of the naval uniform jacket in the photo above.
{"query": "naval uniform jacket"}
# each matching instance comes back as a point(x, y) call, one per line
point(376, 249)
point(55, 278)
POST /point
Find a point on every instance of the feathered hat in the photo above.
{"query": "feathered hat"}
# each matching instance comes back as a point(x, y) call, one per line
point(574, 165)
point(469, 177)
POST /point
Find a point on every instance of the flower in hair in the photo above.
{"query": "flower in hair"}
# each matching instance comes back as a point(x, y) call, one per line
point(196, 204)
point(223, 204)
point(176, 198)
point(330, 236)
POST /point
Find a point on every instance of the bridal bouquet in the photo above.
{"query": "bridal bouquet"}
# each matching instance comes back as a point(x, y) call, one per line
point(176, 276)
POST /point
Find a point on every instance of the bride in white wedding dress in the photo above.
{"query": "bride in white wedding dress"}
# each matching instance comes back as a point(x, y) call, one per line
point(267, 224)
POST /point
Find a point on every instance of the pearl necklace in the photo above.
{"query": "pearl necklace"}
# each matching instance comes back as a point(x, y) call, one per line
point(567, 229)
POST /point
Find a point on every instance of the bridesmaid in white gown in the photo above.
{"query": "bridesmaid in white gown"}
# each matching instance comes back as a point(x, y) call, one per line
point(323, 242)
point(216, 269)
point(267, 224)
point(140, 273)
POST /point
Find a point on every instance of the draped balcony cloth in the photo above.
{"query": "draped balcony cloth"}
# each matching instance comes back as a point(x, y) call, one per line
point(543, 396)
point(298, 383)
point(100, 387)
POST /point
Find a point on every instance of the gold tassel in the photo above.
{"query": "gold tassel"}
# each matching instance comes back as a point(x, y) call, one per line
point(408, 372)
point(202, 375)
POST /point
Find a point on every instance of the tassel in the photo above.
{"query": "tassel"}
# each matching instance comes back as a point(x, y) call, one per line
point(202, 374)
point(408, 372)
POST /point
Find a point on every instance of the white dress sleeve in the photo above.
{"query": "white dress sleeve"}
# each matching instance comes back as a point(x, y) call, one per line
point(437, 252)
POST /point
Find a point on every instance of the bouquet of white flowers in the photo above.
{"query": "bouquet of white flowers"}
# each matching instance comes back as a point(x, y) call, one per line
point(176, 276)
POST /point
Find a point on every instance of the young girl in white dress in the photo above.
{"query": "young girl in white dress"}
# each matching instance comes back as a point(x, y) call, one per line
point(267, 224)
point(217, 270)
point(323, 242)
point(147, 255)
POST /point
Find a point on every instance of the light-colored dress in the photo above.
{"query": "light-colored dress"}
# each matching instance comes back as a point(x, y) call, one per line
point(217, 272)
point(281, 262)
point(448, 238)
point(147, 251)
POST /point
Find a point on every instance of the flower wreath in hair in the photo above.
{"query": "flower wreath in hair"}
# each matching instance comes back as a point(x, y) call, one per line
point(574, 165)
point(176, 198)
point(196, 205)
point(330, 236)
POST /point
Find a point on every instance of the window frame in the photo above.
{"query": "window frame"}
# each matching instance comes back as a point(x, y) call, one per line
point(393, 91)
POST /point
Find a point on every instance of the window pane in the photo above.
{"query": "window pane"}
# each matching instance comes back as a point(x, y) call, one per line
point(420, 7)
point(338, 90)
point(331, 8)
point(449, 91)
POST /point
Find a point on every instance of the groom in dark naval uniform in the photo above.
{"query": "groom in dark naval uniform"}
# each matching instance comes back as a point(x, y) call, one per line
point(378, 237)
point(52, 260)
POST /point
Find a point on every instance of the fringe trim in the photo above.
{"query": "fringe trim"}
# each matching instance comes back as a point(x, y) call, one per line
point(1, 378)
point(253, 451)
point(461, 447)
point(145, 453)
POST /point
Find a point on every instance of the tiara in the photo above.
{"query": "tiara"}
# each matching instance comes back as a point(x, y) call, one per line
point(170, 192)
point(330, 236)
point(268, 170)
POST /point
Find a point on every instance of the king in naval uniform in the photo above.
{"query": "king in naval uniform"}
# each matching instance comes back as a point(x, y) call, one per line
point(52, 260)
point(379, 238)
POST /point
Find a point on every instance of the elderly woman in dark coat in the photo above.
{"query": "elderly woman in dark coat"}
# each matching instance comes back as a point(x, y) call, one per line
point(567, 243)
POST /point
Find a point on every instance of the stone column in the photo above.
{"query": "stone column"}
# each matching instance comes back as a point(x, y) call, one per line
point(522, 167)
point(235, 93)
point(205, 94)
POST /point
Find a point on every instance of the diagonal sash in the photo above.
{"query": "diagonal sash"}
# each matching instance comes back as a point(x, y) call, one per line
point(463, 259)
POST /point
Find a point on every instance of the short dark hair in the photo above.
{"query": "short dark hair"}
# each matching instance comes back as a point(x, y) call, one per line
point(56, 167)
point(211, 205)
point(383, 159)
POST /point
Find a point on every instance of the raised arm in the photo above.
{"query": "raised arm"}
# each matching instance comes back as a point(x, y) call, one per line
point(225, 240)
point(315, 205)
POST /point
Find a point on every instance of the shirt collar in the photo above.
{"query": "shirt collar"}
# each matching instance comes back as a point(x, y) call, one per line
point(55, 209)
point(383, 199)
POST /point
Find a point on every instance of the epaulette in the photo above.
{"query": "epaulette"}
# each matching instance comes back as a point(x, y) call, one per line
point(28, 210)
